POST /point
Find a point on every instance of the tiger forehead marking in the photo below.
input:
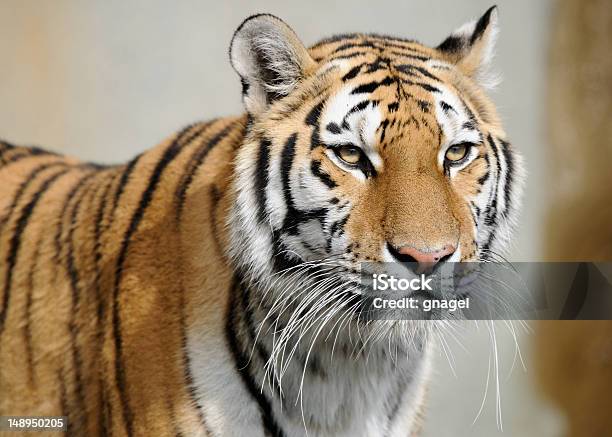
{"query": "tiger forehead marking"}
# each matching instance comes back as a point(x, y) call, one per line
point(384, 77)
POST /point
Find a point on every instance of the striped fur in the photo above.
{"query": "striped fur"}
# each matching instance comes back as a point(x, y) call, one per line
point(205, 287)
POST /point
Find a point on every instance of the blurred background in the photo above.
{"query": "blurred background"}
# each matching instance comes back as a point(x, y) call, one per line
point(104, 81)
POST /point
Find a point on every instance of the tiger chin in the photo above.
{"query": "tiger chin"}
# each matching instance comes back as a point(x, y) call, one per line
point(207, 286)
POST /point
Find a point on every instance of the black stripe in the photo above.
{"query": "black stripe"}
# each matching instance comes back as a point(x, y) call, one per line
point(18, 156)
point(383, 126)
point(215, 197)
point(12, 153)
point(56, 259)
point(446, 108)
point(428, 87)
point(350, 56)
point(381, 63)
point(170, 153)
point(338, 226)
point(22, 153)
point(410, 56)
point(392, 42)
point(297, 217)
point(125, 176)
point(27, 327)
point(72, 329)
point(470, 125)
point(491, 210)
point(335, 230)
point(196, 161)
point(482, 179)
point(35, 150)
point(426, 73)
point(368, 88)
point(97, 251)
point(262, 178)
point(312, 118)
point(470, 113)
point(245, 86)
point(509, 174)
point(474, 215)
point(315, 168)
point(414, 70)
point(15, 243)
point(24, 185)
point(242, 364)
point(352, 73)
point(287, 156)
point(248, 319)
point(336, 38)
point(352, 45)
point(358, 107)
point(73, 275)
point(333, 128)
point(497, 161)
point(281, 259)
point(424, 105)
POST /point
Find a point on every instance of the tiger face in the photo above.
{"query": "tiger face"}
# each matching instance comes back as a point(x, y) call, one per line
point(367, 148)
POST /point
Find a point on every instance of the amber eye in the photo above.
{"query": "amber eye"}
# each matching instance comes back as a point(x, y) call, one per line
point(349, 154)
point(457, 153)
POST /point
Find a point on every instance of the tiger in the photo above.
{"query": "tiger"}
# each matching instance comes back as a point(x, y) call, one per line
point(207, 286)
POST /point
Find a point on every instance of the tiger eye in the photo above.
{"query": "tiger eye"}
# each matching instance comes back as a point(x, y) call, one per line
point(349, 154)
point(457, 153)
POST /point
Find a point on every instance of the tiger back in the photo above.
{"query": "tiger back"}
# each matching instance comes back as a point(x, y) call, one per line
point(65, 237)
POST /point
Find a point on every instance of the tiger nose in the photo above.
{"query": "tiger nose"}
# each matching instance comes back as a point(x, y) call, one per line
point(422, 261)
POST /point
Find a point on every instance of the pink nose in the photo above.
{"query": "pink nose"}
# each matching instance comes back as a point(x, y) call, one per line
point(425, 260)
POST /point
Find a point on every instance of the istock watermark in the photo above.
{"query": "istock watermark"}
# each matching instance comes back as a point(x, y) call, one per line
point(384, 282)
point(487, 291)
point(422, 285)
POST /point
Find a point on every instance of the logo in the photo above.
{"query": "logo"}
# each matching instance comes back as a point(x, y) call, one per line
point(384, 282)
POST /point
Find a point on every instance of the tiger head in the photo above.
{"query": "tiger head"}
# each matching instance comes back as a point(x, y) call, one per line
point(369, 148)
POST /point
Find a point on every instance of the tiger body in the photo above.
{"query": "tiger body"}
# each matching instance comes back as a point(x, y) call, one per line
point(136, 299)
point(65, 318)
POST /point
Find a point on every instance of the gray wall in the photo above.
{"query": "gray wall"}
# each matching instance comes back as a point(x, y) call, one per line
point(106, 80)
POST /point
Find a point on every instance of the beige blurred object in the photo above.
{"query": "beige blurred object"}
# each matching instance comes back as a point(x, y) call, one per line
point(575, 358)
point(580, 131)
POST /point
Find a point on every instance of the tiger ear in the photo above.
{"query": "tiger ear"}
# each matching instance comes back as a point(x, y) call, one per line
point(471, 48)
point(270, 59)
